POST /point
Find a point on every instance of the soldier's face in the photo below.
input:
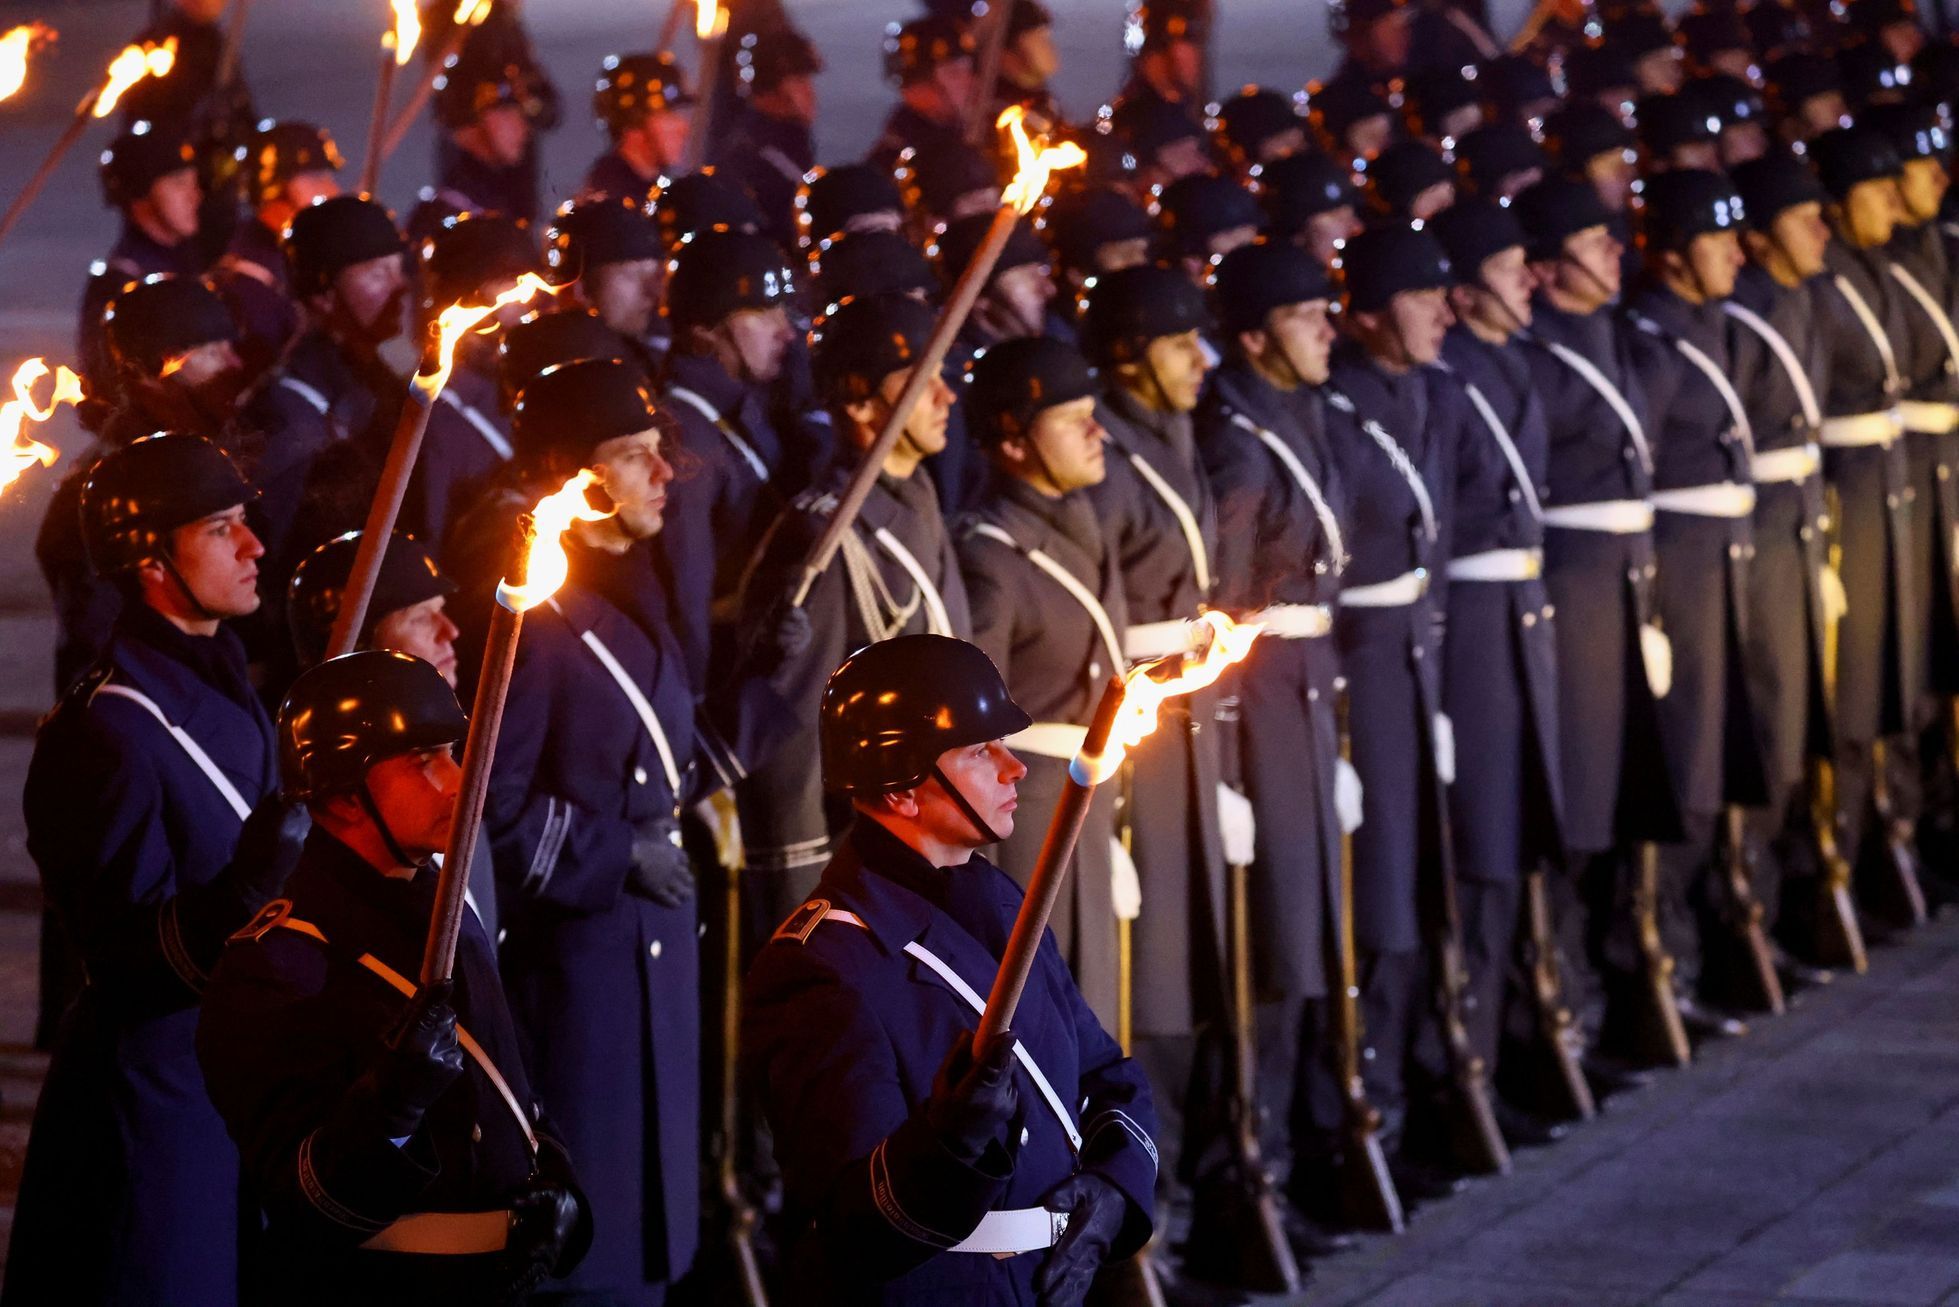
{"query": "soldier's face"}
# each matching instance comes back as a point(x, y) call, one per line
point(627, 295)
point(1020, 296)
point(506, 134)
point(1114, 256)
point(988, 777)
point(1302, 335)
point(1370, 136)
point(173, 201)
point(1589, 271)
point(795, 98)
point(1732, 63)
point(1819, 113)
point(1421, 319)
point(1801, 236)
point(371, 296)
point(1432, 200)
point(1508, 280)
point(1704, 155)
point(416, 795)
point(1325, 231)
point(1743, 142)
point(212, 370)
point(1871, 212)
point(1923, 188)
point(635, 474)
point(954, 80)
point(1660, 72)
point(1070, 442)
point(760, 340)
point(423, 630)
point(1281, 145)
point(666, 131)
point(1181, 158)
point(1034, 56)
point(304, 189)
point(1459, 121)
point(925, 428)
point(1903, 40)
point(217, 559)
point(1177, 365)
point(1612, 175)
point(1715, 257)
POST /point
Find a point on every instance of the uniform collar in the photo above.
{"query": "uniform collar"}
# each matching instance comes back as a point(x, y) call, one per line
point(886, 883)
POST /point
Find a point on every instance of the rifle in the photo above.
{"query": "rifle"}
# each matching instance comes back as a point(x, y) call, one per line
point(1839, 938)
point(1657, 1035)
point(1750, 976)
point(1555, 1083)
point(1368, 1197)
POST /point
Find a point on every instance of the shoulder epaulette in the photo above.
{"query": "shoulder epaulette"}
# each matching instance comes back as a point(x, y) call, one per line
point(799, 925)
point(268, 918)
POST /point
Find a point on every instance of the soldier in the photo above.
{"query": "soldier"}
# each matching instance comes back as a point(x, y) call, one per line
point(406, 613)
point(1203, 218)
point(1717, 43)
point(389, 1131)
point(915, 1164)
point(611, 253)
point(484, 109)
point(1602, 75)
point(1806, 93)
point(1682, 130)
point(1499, 660)
point(1410, 181)
point(1644, 37)
point(930, 60)
point(1168, 39)
point(1519, 90)
point(645, 110)
point(150, 176)
point(1892, 24)
point(848, 197)
point(1703, 488)
point(595, 760)
point(287, 166)
point(701, 201)
point(1162, 139)
point(543, 340)
point(1443, 106)
point(944, 185)
point(1500, 160)
point(1093, 231)
point(1029, 63)
point(1613, 664)
point(154, 822)
point(1048, 608)
point(1258, 126)
point(867, 263)
point(770, 144)
point(895, 574)
point(1743, 113)
point(1354, 120)
point(1378, 38)
point(1311, 200)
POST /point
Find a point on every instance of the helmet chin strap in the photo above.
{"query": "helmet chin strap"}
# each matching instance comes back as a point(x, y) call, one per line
point(986, 833)
point(170, 566)
point(395, 851)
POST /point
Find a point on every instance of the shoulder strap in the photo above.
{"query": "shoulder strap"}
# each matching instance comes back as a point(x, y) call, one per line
point(1396, 455)
point(1708, 368)
point(936, 615)
point(219, 781)
point(1868, 321)
point(1940, 319)
point(310, 394)
point(1062, 577)
point(1329, 524)
point(1608, 392)
point(698, 402)
point(485, 428)
point(1179, 507)
point(1785, 354)
point(628, 687)
point(1521, 474)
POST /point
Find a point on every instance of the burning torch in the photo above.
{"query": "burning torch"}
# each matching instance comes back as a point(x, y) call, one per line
point(541, 568)
point(469, 14)
point(438, 362)
point(1037, 161)
point(1123, 719)
point(128, 68)
point(710, 25)
point(397, 46)
point(18, 451)
point(16, 43)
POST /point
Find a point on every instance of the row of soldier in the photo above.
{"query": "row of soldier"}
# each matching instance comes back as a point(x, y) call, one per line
point(1643, 512)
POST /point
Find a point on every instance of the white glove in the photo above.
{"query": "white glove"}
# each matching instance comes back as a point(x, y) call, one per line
point(1657, 652)
point(1347, 804)
point(1125, 886)
point(1836, 600)
point(1236, 826)
point(1445, 748)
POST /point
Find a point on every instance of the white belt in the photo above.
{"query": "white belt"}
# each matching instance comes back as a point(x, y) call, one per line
point(1498, 565)
point(451, 1233)
point(1023, 1230)
point(1049, 740)
point(219, 781)
point(1879, 428)
point(1928, 417)
point(1403, 590)
point(1722, 499)
point(1156, 639)
point(1796, 463)
point(1619, 517)
point(1294, 621)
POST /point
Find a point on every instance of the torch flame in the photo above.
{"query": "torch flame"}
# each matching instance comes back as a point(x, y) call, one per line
point(1037, 161)
point(471, 13)
point(130, 67)
point(18, 452)
point(1143, 693)
point(14, 47)
point(545, 564)
point(456, 321)
point(407, 31)
point(710, 19)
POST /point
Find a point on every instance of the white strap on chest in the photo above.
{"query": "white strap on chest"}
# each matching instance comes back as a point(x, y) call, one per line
point(1329, 525)
point(1613, 397)
point(219, 781)
point(310, 394)
point(485, 428)
point(1934, 311)
point(1874, 329)
point(1062, 577)
point(1200, 557)
point(698, 402)
point(1501, 434)
point(1785, 354)
point(978, 1004)
point(628, 687)
point(937, 619)
point(1707, 367)
point(1396, 455)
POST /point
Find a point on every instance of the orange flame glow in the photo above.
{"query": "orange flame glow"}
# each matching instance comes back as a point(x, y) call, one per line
point(710, 19)
point(406, 33)
point(471, 13)
point(1144, 692)
point(130, 67)
point(1038, 160)
point(15, 44)
point(546, 565)
point(458, 320)
point(17, 451)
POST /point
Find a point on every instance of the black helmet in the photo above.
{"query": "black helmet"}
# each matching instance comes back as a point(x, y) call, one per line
point(858, 344)
point(325, 238)
point(864, 263)
point(1335, 106)
point(1707, 32)
point(351, 712)
point(1254, 279)
point(913, 49)
point(1402, 172)
point(1430, 97)
point(1916, 131)
point(1871, 17)
point(963, 239)
point(470, 251)
point(1554, 210)
point(895, 706)
point(715, 273)
point(137, 495)
point(1800, 76)
point(1579, 133)
point(1297, 189)
point(765, 60)
point(631, 86)
point(1194, 209)
point(937, 180)
point(279, 151)
point(1773, 183)
point(1593, 71)
point(1153, 24)
point(1872, 74)
point(1732, 99)
point(1126, 310)
point(138, 159)
point(1493, 154)
point(1249, 119)
point(1147, 125)
point(1514, 83)
point(1016, 380)
point(152, 321)
point(471, 86)
point(1473, 230)
point(1081, 222)
point(1845, 157)
point(408, 577)
point(831, 199)
point(1667, 122)
point(570, 409)
point(547, 339)
point(700, 201)
point(1685, 203)
point(589, 234)
point(1385, 261)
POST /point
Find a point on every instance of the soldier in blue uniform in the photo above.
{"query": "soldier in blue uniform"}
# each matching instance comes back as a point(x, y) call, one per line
point(485, 110)
point(389, 1132)
point(930, 60)
point(1168, 38)
point(918, 1168)
point(594, 762)
point(611, 253)
point(1312, 201)
point(288, 166)
point(154, 821)
point(643, 106)
point(769, 145)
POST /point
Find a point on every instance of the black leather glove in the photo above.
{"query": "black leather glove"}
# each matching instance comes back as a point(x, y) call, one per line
point(661, 870)
point(1096, 1210)
point(974, 1099)
point(543, 1218)
point(268, 849)
point(422, 1058)
point(783, 636)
